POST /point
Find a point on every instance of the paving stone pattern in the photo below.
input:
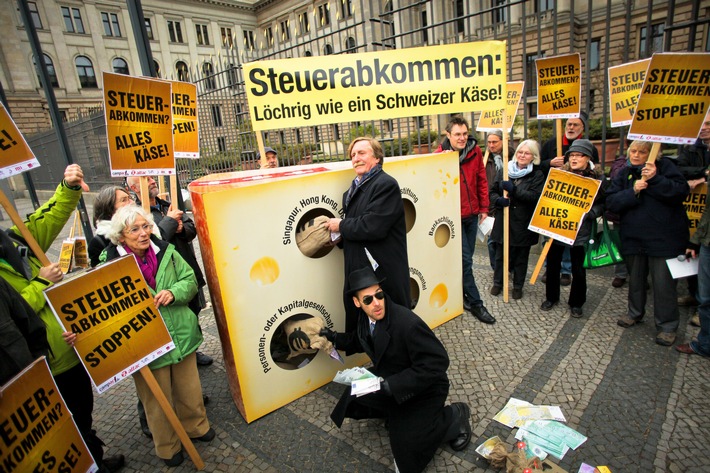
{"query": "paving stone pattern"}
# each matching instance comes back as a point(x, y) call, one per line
point(641, 405)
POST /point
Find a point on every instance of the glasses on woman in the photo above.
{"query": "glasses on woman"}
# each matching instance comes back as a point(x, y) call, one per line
point(576, 155)
point(135, 230)
point(367, 300)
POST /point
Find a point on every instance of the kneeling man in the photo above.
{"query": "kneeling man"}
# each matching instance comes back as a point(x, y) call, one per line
point(411, 363)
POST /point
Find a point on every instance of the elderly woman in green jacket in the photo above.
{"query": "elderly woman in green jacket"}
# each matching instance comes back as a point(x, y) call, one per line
point(174, 285)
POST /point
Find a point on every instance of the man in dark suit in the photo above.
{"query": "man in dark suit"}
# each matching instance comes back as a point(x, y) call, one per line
point(411, 364)
point(373, 230)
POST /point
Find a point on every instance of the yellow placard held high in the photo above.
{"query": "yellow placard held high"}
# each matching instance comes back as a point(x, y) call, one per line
point(111, 310)
point(625, 82)
point(490, 120)
point(695, 204)
point(565, 198)
point(559, 86)
point(15, 154)
point(305, 91)
point(185, 136)
point(139, 125)
point(37, 430)
point(674, 98)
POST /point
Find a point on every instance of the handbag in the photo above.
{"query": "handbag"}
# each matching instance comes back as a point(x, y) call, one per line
point(603, 247)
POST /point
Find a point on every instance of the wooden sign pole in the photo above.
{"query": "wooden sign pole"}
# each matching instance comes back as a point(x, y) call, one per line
point(506, 222)
point(145, 194)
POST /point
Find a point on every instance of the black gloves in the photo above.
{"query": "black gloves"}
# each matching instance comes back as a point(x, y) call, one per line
point(507, 186)
point(328, 334)
point(502, 202)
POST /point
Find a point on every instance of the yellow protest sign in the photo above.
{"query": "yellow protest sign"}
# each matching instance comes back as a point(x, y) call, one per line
point(674, 98)
point(408, 82)
point(625, 82)
point(565, 198)
point(139, 125)
point(695, 205)
point(184, 103)
point(490, 120)
point(111, 310)
point(559, 86)
point(15, 154)
point(37, 430)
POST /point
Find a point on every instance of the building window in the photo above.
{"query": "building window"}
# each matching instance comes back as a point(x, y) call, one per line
point(269, 37)
point(592, 98)
point(216, 115)
point(316, 134)
point(149, 28)
point(327, 50)
point(388, 125)
point(323, 15)
point(350, 45)
point(203, 37)
point(594, 54)
point(532, 109)
point(346, 9)
point(656, 40)
point(157, 68)
point(208, 75)
point(221, 144)
point(544, 5)
point(285, 32)
point(175, 31)
point(232, 76)
point(85, 70)
point(248, 40)
point(425, 23)
point(183, 73)
point(336, 132)
point(500, 14)
point(72, 20)
point(308, 54)
point(531, 74)
point(34, 15)
point(227, 39)
point(461, 22)
point(120, 66)
point(51, 72)
point(304, 26)
point(111, 26)
point(299, 138)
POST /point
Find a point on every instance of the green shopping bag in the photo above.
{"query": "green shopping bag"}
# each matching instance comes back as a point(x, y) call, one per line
point(603, 247)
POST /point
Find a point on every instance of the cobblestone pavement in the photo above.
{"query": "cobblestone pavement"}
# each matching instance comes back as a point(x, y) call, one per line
point(639, 403)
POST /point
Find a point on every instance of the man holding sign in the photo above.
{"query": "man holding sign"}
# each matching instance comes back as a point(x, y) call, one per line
point(648, 197)
point(25, 273)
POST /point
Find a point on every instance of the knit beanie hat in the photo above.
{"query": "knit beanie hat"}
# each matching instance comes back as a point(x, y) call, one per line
point(581, 145)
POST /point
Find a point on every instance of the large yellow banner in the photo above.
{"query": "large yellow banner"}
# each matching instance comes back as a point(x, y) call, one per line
point(625, 82)
point(185, 137)
point(674, 98)
point(565, 198)
point(111, 310)
point(37, 430)
point(695, 204)
point(139, 125)
point(490, 120)
point(15, 154)
point(429, 80)
point(559, 86)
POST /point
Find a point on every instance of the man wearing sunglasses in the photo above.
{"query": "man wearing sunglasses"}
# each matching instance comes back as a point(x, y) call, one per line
point(411, 364)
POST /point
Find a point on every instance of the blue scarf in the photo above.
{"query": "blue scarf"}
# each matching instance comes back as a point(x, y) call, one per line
point(514, 172)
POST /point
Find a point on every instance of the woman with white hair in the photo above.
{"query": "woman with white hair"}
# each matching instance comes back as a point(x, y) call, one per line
point(173, 284)
point(524, 186)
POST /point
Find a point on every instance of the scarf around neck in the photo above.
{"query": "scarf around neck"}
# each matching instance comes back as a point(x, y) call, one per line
point(514, 172)
point(148, 264)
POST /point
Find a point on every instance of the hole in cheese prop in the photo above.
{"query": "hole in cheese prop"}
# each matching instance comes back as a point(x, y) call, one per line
point(266, 283)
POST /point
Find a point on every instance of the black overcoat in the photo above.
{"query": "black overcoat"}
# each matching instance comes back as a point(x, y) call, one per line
point(406, 353)
point(522, 206)
point(374, 221)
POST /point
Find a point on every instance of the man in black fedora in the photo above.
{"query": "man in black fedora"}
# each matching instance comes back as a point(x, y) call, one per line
point(411, 363)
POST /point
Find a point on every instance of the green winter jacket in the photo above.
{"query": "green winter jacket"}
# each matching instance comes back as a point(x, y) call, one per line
point(45, 224)
point(175, 275)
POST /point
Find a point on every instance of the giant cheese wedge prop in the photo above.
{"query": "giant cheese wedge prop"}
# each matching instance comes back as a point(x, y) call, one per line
point(259, 279)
